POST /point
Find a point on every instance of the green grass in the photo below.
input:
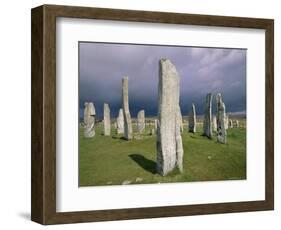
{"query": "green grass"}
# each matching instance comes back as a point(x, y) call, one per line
point(113, 160)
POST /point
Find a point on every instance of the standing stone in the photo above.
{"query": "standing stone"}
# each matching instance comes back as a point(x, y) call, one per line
point(120, 122)
point(214, 124)
point(141, 121)
point(207, 125)
point(155, 124)
point(169, 142)
point(221, 131)
point(230, 124)
point(89, 119)
point(192, 120)
point(236, 124)
point(106, 120)
point(128, 129)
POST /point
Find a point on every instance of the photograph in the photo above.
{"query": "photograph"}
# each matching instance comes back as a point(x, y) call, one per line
point(141, 114)
point(152, 113)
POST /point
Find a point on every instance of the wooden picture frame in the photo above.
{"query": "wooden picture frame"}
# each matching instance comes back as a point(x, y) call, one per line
point(43, 202)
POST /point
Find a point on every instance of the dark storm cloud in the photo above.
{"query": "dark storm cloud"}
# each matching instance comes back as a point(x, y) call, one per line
point(202, 70)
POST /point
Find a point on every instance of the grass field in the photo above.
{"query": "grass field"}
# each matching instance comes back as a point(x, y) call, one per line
point(113, 161)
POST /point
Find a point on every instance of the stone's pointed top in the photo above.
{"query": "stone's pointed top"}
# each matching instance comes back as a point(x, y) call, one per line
point(168, 69)
point(92, 108)
point(164, 59)
point(105, 105)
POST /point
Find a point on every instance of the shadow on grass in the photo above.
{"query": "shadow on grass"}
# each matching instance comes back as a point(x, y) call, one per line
point(120, 138)
point(145, 163)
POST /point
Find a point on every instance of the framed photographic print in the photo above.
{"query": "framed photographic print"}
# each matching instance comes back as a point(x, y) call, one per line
point(140, 114)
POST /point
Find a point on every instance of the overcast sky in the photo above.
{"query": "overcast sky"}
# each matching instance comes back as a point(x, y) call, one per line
point(201, 70)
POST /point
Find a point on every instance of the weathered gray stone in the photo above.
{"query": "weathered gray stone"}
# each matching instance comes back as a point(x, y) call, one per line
point(179, 146)
point(89, 119)
point(128, 129)
point(169, 142)
point(155, 124)
point(207, 125)
point(106, 120)
point(180, 119)
point(214, 124)
point(120, 122)
point(230, 124)
point(141, 121)
point(226, 122)
point(236, 124)
point(221, 131)
point(192, 120)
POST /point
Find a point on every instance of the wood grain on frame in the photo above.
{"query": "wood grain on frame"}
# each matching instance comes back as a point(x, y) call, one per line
point(43, 157)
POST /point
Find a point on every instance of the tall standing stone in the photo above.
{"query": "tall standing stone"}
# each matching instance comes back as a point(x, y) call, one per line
point(214, 124)
point(192, 120)
point(207, 124)
point(128, 129)
point(141, 121)
point(89, 119)
point(221, 131)
point(169, 142)
point(120, 122)
point(106, 120)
